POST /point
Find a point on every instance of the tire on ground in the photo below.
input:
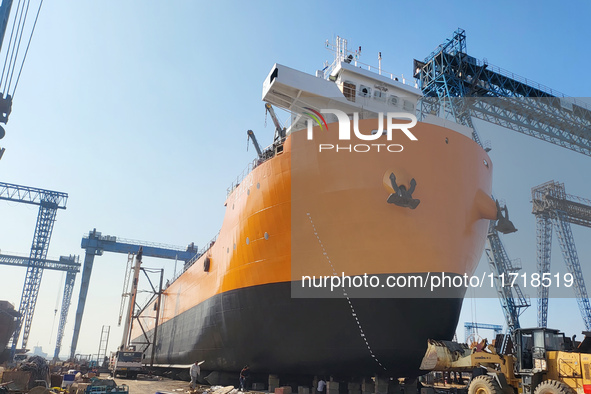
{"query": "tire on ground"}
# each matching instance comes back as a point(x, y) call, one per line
point(553, 387)
point(485, 384)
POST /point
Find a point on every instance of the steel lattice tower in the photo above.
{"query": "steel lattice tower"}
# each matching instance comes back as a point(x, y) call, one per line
point(66, 301)
point(554, 208)
point(103, 344)
point(41, 238)
point(512, 299)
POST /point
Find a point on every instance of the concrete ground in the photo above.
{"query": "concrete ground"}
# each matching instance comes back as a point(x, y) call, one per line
point(146, 385)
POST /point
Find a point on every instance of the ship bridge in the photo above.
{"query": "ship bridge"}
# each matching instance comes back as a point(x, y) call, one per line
point(346, 85)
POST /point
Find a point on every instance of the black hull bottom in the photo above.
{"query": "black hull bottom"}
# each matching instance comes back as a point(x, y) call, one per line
point(264, 327)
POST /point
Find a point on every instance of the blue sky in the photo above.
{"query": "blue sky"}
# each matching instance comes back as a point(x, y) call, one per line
point(139, 111)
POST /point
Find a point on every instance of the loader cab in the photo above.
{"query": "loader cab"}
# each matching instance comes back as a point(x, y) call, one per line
point(531, 347)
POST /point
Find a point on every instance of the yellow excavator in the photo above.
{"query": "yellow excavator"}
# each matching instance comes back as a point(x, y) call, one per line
point(542, 361)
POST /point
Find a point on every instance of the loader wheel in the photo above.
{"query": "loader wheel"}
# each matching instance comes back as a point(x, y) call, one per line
point(553, 387)
point(484, 384)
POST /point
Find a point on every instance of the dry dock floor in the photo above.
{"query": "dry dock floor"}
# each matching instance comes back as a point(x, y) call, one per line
point(151, 386)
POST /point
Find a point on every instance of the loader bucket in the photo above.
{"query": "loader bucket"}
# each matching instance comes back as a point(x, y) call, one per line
point(441, 355)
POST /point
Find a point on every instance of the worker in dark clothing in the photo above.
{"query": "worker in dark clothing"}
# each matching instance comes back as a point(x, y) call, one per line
point(244, 375)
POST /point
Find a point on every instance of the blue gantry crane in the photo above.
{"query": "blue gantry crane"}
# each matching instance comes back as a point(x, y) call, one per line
point(69, 264)
point(49, 202)
point(96, 243)
point(554, 208)
point(471, 327)
point(460, 87)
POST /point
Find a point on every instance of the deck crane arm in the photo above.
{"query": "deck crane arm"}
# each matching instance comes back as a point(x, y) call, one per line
point(279, 130)
point(250, 136)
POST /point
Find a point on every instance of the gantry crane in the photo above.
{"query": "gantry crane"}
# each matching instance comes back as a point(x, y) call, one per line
point(96, 243)
point(471, 327)
point(49, 202)
point(458, 86)
point(69, 264)
point(553, 207)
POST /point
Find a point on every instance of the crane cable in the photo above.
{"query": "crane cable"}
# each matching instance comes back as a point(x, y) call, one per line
point(16, 48)
point(27, 50)
point(14, 44)
point(9, 47)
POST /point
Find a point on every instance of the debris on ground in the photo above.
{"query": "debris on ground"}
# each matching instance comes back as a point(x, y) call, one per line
point(38, 368)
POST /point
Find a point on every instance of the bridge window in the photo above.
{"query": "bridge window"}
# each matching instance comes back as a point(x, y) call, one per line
point(364, 91)
point(379, 95)
point(349, 90)
point(408, 105)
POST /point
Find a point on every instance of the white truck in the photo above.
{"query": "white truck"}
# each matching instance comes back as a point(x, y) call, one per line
point(126, 363)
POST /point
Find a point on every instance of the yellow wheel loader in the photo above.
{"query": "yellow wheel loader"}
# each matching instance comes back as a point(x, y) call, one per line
point(543, 361)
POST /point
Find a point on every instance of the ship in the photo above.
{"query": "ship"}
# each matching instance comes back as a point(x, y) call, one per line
point(315, 206)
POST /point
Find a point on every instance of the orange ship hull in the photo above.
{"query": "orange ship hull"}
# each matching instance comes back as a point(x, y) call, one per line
point(311, 213)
